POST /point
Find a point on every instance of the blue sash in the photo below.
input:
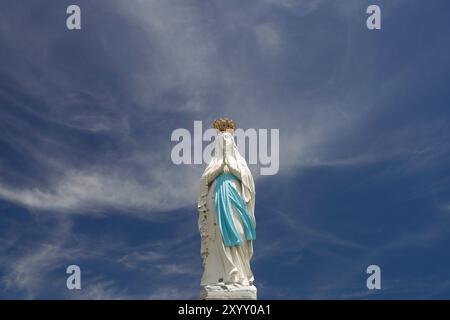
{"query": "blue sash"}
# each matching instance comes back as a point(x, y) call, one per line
point(225, 195)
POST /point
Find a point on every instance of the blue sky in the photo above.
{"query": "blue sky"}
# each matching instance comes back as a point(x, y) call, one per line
point(86, 117)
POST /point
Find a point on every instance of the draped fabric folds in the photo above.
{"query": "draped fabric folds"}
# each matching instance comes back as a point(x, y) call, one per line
point(226, 196)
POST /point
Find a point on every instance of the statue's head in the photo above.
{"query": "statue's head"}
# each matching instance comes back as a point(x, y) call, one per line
point(224, 125)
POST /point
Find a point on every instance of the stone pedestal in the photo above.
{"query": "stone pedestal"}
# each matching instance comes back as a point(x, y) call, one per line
point(228, 292)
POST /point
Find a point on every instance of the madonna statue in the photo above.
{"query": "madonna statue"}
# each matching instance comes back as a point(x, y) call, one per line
point(226, 204)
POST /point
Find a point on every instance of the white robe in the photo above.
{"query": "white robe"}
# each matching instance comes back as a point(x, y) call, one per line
point(222, 264)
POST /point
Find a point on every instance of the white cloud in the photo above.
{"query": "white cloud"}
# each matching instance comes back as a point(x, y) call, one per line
point(89, 192)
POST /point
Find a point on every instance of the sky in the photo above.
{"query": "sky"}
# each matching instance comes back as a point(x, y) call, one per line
point(86, 116)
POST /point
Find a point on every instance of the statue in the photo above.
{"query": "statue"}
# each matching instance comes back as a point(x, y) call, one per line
point(226, 204)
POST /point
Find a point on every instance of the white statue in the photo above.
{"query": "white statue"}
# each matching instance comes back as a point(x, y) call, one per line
point(227, 223)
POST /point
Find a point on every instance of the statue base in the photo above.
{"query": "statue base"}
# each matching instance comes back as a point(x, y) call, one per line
point(228, 292)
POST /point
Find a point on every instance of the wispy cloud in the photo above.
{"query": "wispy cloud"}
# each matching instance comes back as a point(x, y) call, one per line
point(182, 64)
point(25, 270)
point(39, 269)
